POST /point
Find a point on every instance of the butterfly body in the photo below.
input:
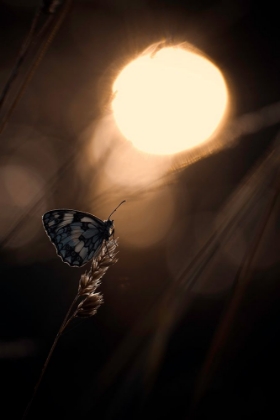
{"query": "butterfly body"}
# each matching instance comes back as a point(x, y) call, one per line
point(77, 236)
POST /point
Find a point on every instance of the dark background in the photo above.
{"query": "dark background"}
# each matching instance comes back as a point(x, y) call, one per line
point(127, 362)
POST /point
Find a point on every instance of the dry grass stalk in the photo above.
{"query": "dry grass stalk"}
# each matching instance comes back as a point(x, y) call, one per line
point(91, 280)
point(90, 302)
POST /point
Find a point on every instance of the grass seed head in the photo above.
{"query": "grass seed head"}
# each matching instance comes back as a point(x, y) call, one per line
point(90, 280)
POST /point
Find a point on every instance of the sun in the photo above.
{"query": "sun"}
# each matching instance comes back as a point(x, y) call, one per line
point(169, 100)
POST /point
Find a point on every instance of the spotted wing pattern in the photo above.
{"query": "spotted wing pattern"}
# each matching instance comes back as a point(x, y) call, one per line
point(77, 236)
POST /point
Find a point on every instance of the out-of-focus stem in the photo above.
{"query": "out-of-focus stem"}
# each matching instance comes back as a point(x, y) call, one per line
point(60, 331)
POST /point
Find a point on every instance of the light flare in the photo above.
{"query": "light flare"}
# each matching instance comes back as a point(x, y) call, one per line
point(169, 101)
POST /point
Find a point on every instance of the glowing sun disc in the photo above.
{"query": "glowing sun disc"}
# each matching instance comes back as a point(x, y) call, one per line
point(169, 101)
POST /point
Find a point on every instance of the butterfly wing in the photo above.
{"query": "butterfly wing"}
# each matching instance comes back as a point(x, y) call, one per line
point(77, 236)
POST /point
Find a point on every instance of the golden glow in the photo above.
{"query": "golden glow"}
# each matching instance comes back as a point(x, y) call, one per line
point(121, 162)
point(148, 219)
point(169, 101)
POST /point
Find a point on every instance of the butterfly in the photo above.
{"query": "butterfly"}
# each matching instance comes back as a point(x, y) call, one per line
point(77, 236)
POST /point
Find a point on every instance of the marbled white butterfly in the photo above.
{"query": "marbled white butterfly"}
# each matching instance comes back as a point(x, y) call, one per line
point(78, 237)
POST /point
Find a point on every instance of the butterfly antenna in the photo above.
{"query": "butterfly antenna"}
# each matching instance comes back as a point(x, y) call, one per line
point(116, 208)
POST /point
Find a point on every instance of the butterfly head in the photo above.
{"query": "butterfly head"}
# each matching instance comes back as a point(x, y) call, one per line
point(109, 228)
point(109, 224)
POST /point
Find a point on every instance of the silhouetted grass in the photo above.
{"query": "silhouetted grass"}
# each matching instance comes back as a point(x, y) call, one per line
point(86, 301)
